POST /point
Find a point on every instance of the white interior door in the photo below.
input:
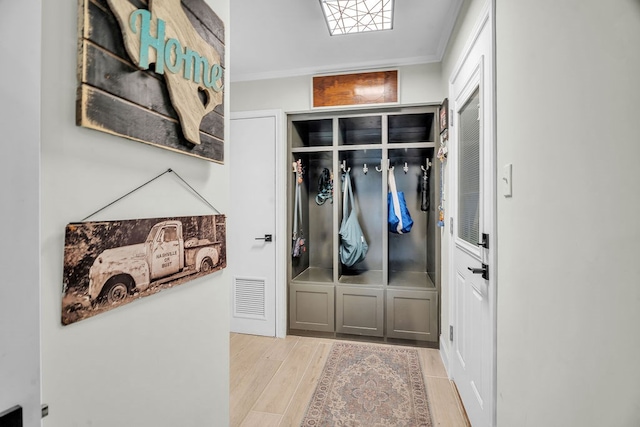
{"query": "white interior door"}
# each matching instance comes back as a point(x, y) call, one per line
point(473, 284)
point(251, 233)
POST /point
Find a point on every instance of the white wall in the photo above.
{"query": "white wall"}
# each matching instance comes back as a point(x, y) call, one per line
point(418, 84)
point(467, 19)
point(568, 275)
point(20, 207)
point(162, 361)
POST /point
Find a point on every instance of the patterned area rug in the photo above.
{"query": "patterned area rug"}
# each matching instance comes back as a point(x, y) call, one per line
point(370, 386)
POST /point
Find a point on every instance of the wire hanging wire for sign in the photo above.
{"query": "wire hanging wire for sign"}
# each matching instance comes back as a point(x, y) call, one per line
point(147, 183)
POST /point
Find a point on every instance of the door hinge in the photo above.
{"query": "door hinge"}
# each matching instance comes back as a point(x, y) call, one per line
point(451, 117)
point(45, 410)
point(450, 332)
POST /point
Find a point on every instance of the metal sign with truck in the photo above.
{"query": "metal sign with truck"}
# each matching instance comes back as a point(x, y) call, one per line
point(108, 264)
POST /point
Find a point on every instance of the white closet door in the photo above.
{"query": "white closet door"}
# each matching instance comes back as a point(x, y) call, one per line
point(252, 218)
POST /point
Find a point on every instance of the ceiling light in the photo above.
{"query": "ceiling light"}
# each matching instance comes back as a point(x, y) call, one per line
point(357, 16)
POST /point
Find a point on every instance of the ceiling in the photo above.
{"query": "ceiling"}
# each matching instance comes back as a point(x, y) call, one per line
point(284, 38)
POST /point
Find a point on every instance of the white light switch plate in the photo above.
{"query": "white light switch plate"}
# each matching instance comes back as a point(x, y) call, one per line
point(506, 180)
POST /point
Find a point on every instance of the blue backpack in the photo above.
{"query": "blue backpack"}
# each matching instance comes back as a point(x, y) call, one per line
point(400, 221)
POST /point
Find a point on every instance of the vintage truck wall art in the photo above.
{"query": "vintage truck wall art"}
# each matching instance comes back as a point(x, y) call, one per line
point(108, 264)
point(164, 256)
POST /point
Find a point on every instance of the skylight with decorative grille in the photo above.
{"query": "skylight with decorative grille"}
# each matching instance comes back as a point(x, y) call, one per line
point(356, 16)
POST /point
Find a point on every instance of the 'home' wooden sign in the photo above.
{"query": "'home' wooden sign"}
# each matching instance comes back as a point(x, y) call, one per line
point(153, 71)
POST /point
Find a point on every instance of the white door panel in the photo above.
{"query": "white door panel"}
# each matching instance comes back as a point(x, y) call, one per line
point(252, 257)
point(470, 339)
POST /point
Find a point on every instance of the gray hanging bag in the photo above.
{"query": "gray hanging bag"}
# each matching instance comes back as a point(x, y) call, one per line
point(298, 247)
point(353, 246)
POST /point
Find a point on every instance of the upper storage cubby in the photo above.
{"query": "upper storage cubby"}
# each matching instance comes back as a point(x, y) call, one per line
point(406, 128)
point(360, 130)
point(312, 133)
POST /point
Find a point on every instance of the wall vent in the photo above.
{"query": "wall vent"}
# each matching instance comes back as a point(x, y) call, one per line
point(249, 298)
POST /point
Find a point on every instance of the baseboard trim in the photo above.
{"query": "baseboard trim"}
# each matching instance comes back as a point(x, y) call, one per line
point(444, 354)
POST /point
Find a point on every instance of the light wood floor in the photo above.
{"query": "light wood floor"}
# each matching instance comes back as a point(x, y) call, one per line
point(272, 381)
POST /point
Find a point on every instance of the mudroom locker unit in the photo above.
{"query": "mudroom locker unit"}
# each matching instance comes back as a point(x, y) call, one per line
point(393, 292)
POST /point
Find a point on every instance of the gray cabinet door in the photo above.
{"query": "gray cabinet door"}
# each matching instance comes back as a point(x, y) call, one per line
point(311, 307)
point(412, 314)
point(360, 311)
